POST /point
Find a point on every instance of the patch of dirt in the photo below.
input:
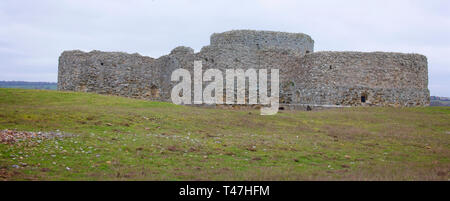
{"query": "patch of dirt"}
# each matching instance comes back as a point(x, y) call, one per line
point(6, 174)
point(337, 132)
point(257, 159)
point(251, 148)
point(172, 148)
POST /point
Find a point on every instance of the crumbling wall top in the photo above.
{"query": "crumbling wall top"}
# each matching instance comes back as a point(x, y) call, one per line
point(264, 39)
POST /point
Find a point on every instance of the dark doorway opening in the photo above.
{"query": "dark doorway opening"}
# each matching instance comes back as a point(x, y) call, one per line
point(363, 98)
point(154, 91)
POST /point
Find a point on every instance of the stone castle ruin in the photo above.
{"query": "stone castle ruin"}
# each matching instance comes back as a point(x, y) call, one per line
point(307, 78)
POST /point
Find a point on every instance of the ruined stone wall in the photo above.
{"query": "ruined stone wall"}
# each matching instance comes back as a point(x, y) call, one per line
point(115, 73)
point(296, 42)
point(346, 78)
point(307, 78)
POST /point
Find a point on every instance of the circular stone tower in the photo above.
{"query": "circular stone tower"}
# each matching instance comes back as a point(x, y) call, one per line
point(360, 78)
point(297, 42)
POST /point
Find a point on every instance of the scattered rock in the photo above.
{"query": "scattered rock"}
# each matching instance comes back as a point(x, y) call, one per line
point(31, 138)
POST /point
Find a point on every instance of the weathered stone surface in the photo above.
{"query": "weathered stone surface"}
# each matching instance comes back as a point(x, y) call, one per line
point(307, 78)
point(297, 42)
point(343, 78)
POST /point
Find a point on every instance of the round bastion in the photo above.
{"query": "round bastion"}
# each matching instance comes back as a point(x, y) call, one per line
point(298, 42)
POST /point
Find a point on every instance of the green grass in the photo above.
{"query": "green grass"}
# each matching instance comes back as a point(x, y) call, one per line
point(126, 139)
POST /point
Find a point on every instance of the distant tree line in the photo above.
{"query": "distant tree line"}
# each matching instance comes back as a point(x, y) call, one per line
point(439, 98)
point(28, 85)
point(439, 101)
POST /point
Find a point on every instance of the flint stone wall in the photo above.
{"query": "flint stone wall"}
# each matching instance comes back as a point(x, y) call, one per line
point(342, 78)
point(307, 78)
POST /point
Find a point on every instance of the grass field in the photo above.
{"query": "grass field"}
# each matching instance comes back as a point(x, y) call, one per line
point(114, 138)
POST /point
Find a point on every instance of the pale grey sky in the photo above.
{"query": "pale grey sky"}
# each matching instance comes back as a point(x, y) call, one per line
point(34, 33)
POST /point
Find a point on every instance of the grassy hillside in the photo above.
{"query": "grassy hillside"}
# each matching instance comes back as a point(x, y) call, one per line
point(114, 138)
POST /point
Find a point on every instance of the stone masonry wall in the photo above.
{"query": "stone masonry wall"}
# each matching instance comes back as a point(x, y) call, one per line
point(343, 78)
point(307, 78)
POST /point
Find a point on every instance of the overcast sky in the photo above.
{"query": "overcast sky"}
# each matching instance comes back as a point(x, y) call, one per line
point(34, 33)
